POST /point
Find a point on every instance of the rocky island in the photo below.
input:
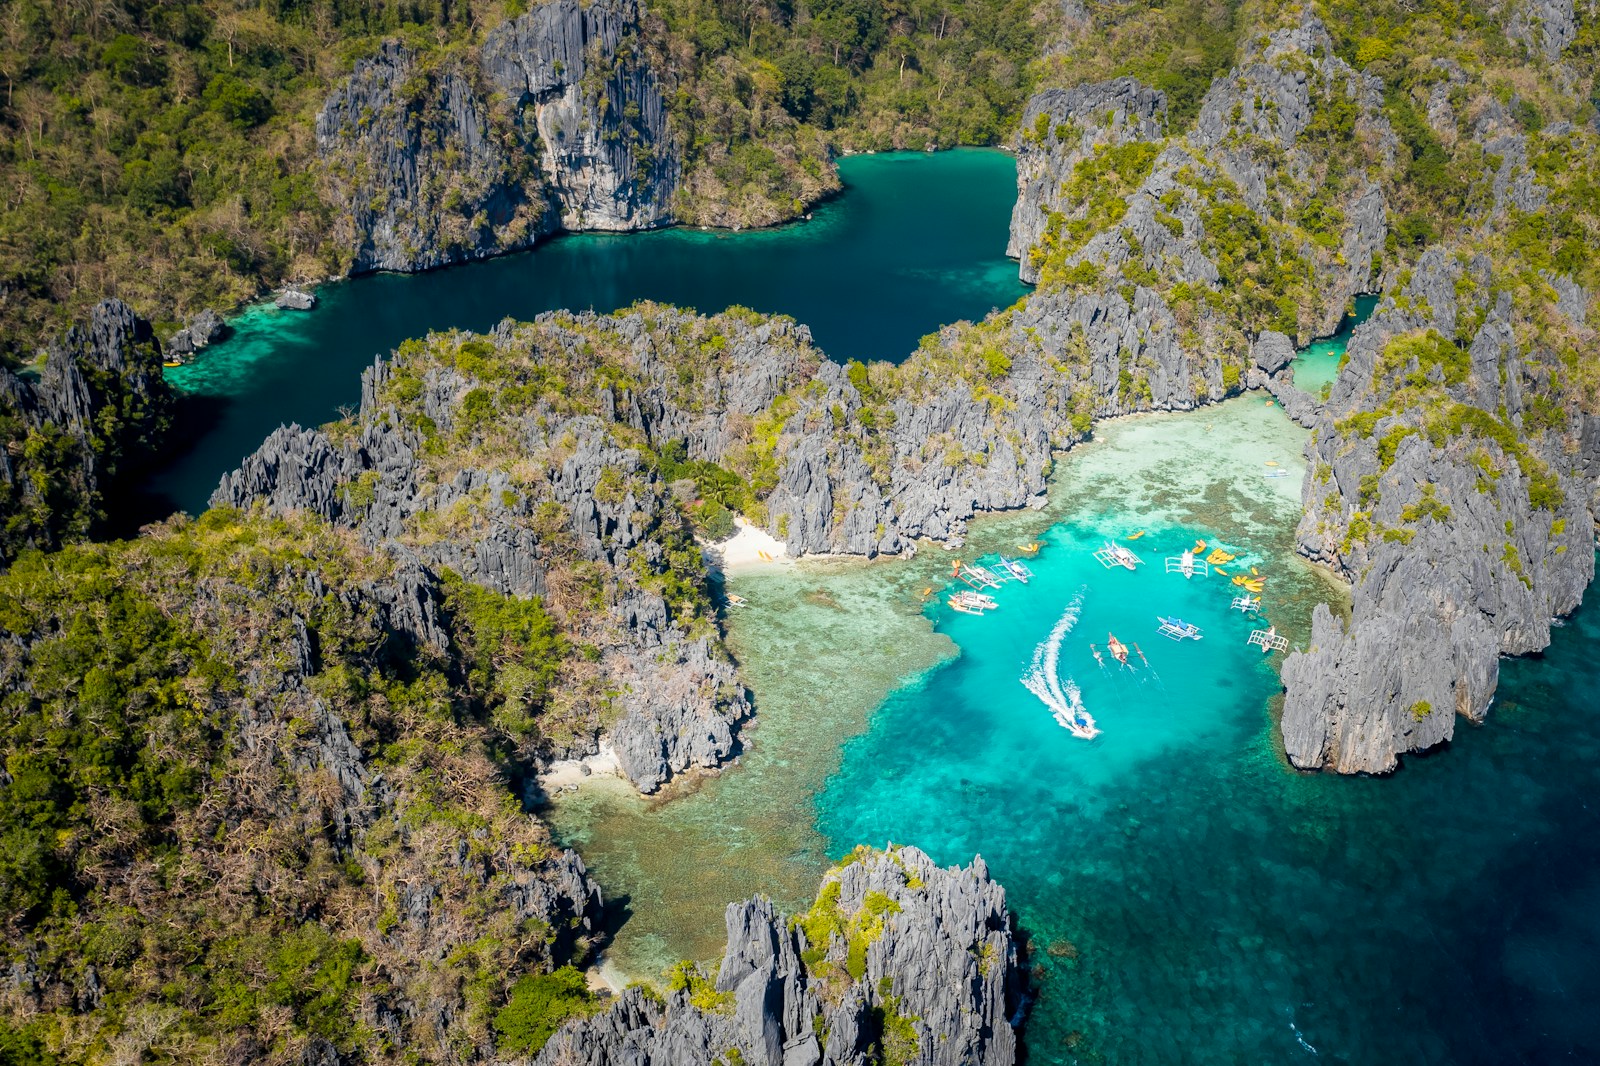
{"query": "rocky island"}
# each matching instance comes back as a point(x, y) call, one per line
point(270, 788)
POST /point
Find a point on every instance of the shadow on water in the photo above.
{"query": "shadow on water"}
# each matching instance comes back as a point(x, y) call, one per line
point(141, 498)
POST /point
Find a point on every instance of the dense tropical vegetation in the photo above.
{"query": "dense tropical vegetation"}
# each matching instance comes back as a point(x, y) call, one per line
point(164, 152)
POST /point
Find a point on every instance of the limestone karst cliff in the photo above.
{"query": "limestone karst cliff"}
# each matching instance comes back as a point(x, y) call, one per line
point(96, 411)
point(559, 124)
point(899, 960)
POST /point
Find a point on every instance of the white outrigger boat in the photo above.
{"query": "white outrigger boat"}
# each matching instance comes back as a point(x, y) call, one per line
point(1187, 565)
point(1015, 569)
point(1269, 640)
point(978, 577)
point(1178, 629)
point(1114, 554)
point(969, 602)
point(1246, 603)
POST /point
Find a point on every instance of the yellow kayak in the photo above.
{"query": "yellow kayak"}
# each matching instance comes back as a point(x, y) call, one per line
point(1254, 572)
point(1219, 571)
point(1218, 556)
point(1135, 536)
point(1199, 546)
point(1254, 584)
point(1239, 579)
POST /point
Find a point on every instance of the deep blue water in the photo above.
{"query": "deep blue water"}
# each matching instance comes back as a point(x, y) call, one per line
point(1192, 900)
point(914, 242)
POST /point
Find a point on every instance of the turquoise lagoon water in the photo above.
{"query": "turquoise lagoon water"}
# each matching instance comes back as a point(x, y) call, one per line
point(1187, 897)
point(915, 241)
point(1318, 363)
point(1190, 900)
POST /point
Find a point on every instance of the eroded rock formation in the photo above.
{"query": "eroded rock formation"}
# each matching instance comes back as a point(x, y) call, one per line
point(919, 965)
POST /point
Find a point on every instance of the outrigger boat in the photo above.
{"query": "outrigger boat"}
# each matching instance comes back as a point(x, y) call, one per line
point(737, 601)
point(1269, 640)
point(969, 602)
point(976, 576)
point(1114, 554)
point(1186, 564)
point(1014, 569)
point(1178, 629)
point(1118, 650)
point(1246, 603)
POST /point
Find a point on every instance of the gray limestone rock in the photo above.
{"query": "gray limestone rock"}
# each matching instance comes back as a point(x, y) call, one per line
point(1547, 27)
point(561, 124)
point(1061, 127)
point(944, 963)
point(296, 300)
point(429, 176)
point(1486, 533)
point(597, 111)
point(101, 388)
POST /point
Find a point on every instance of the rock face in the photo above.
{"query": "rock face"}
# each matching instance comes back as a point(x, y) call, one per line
point(1464, 521)
point(204, 329)
point(1253, 133)
point(296, 300)
point(430, 177)
point(597, 111)
point(919, 966)
point(561, 123)
point(1061, 127)
point(677, 696)
point(1547, 27)
point(101, 391)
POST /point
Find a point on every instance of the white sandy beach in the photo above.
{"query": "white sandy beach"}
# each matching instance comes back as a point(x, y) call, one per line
point(559, 775)
point(750, 547)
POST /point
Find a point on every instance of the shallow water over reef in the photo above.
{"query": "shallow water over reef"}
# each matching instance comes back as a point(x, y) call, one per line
point(915, 241)
point(1188, 898)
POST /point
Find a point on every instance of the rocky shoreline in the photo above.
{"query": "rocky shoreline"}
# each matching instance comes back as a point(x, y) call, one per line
point(898, 960)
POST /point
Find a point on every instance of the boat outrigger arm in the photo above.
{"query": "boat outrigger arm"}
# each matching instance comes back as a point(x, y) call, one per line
point(1114, 554)
point(1269, 640)
point(1187, 565)
point(1178, 629)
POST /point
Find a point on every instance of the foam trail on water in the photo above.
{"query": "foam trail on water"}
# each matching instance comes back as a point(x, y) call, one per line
point(1043, 677)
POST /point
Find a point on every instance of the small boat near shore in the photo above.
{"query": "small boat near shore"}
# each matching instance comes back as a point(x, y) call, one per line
point(1016, 569)
point(971, 602)
point(1113, 554)
point(1269, 640)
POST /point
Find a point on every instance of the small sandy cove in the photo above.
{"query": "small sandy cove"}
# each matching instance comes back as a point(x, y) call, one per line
point(749, 548)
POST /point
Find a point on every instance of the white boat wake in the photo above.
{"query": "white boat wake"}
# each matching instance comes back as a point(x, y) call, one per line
point(1044, 681)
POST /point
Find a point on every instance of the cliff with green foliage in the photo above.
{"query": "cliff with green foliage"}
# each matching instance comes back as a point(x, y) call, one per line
point(897, 961)
point(93, 410)
point(265, 799)
point(184, 155)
